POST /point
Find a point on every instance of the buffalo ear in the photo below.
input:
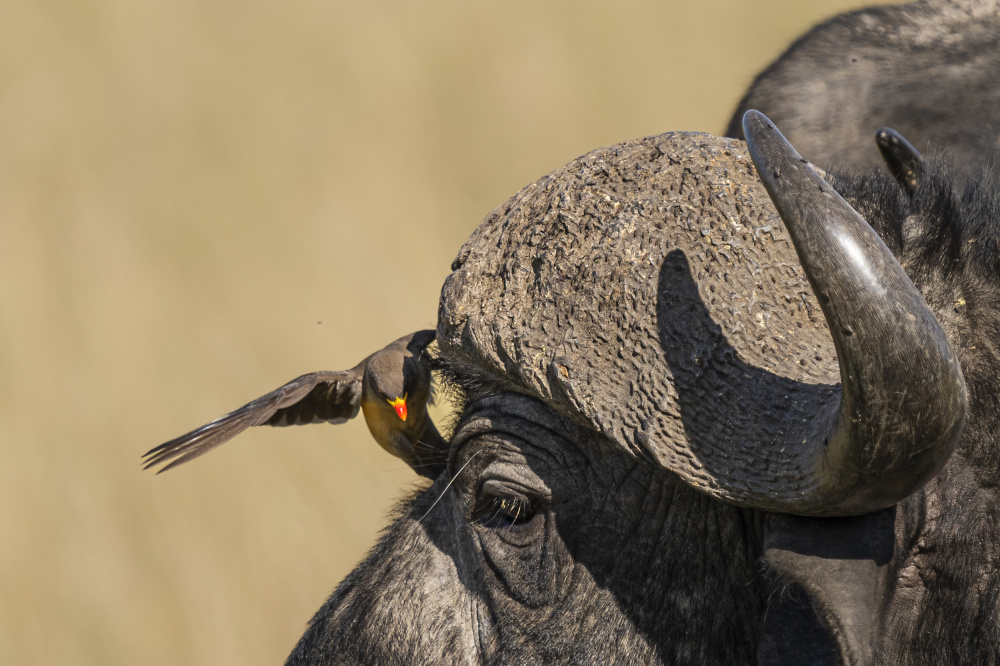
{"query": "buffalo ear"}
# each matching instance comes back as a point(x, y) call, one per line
point(904, 162)
point(832, 567)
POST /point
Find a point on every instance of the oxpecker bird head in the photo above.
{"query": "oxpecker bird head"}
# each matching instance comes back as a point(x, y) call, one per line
point(396, 390)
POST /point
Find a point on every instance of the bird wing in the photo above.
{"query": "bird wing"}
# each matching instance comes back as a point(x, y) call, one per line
point(333, 397)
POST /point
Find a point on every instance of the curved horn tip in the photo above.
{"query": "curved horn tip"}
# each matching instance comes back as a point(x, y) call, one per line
point(757, 128)
point(769, 146)
point(904, 162)
point(790, 180)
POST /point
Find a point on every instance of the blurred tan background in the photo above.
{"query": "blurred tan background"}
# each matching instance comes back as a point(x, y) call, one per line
point(202, 200)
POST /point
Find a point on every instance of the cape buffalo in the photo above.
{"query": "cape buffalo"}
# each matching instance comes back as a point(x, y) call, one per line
point(699, 431)
point(929, 69)
point(699, 428)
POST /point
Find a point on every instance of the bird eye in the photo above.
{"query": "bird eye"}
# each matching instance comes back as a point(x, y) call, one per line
point(502, 510)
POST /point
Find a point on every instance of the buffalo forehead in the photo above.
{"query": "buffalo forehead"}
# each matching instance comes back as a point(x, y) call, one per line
point(591, 287)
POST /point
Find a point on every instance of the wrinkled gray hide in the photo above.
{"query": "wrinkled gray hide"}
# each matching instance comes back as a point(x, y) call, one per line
point(930, 70)
point(624, 330)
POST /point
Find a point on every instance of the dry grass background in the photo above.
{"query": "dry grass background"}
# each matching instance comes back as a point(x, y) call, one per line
point(202, 200)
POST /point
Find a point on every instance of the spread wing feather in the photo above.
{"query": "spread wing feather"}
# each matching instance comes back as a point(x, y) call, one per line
point(314, 398)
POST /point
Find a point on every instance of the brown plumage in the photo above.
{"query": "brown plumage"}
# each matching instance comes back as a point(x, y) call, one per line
point(392, 387)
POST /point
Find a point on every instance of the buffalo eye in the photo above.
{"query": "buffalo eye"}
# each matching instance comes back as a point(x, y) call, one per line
point(502, 504)
point(496, 511)
point(515, 525)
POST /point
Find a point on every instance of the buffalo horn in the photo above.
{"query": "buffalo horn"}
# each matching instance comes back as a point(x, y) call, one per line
point(904, 162)
point(903, 400)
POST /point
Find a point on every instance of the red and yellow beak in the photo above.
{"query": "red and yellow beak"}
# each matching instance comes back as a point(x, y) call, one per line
point(399, 404)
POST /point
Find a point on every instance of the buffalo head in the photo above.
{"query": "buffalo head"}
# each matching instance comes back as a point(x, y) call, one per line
point(696, 429)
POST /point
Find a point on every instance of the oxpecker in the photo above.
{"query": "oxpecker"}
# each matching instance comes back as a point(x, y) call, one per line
point(392, 387)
